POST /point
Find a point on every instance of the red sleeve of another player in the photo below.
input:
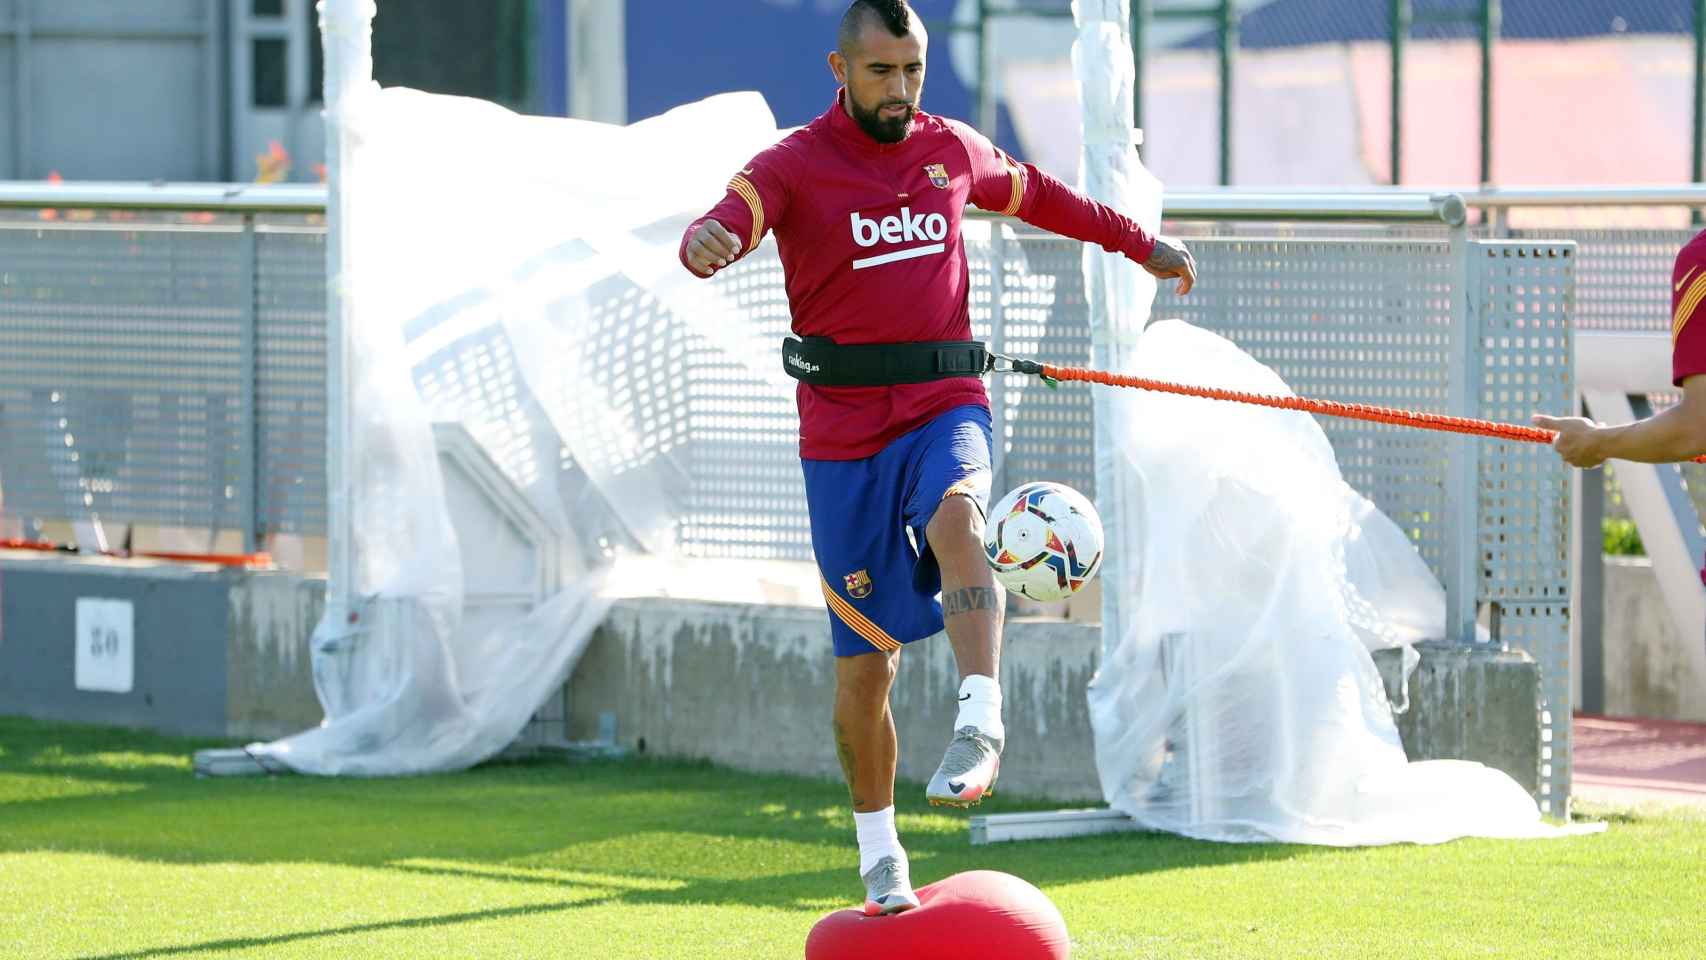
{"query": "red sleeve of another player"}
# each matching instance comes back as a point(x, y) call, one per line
point(755, 201)
point(1687, 327)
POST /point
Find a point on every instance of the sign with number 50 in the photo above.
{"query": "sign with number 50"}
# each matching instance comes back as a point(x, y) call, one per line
point(106, 655)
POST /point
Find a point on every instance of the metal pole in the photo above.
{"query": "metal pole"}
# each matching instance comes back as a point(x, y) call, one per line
point(23, 98)
point(987, 118)
point(998, 343)
point(1402, 16)
point(213, 101)
point(1139, 36)
point(1462, 575)
point(1699, 158)
point(347, 26)
point(1228, 48)
point(1590, 589)
point(1491, 18)
point(598, 60)
point(248, 473)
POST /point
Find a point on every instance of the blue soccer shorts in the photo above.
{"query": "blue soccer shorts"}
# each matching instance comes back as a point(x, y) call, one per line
point(868, 519)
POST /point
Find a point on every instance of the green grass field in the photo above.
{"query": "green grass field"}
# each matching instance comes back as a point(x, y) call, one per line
point(110, 848)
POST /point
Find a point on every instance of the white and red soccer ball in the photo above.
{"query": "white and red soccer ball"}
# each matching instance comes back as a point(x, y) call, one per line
point(1044, 541)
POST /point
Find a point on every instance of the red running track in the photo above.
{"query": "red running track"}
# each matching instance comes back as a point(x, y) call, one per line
point(1622, 760)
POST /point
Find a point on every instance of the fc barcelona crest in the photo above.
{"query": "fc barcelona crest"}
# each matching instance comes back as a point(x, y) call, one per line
point(858, 584)
point(938, 174)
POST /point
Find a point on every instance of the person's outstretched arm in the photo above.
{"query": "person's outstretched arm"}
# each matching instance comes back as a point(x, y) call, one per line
point(1002, 185)
point(1678, 433)
point(1675, 435)
point(756, 201)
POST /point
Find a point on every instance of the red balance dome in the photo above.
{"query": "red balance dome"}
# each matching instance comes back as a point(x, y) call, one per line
point(978, 914)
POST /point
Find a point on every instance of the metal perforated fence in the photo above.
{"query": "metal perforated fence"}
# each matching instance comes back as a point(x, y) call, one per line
point(164, 369)
point(170, 369)
point(1623, 275)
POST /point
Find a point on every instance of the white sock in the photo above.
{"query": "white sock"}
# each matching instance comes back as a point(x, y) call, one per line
point(877, 838)
point(980, 706)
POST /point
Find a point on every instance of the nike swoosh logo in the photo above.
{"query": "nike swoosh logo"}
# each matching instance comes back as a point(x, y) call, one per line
point(1685, 277)
point(965, 698)
point(746, 173)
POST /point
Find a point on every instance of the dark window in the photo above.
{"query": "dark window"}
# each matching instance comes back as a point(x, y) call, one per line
point(271, 70)
point(268, 8)
point(316, 59)
point(452, 46)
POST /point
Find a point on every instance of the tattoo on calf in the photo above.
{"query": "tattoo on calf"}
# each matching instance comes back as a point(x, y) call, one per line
point(968, 600)
point(844, 750)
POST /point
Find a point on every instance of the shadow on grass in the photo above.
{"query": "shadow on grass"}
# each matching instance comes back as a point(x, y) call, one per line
point(244, 943)
point(678, 832)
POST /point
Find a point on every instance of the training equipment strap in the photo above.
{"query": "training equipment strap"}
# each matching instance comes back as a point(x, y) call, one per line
point(1332, 408)
point(822, 362)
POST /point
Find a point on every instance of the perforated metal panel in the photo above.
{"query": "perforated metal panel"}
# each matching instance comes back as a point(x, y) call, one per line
point(290, 375)
point(1044, 434)
point(1525, 295)
point(1622, 276)
point(741, 446)
point(1363, 320)
point(122, 368)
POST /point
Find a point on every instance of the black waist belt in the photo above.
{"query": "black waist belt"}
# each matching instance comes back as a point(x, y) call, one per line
point(822, 362)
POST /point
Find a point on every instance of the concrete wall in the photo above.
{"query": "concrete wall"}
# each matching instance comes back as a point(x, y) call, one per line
point(129, 90)
point(269, 679)
point(224, 653)
point(179, 639)
point(1647, 673)
point(752, 687)
point(214, 652)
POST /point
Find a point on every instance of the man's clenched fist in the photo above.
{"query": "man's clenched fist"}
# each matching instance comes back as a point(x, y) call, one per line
point(711, 248)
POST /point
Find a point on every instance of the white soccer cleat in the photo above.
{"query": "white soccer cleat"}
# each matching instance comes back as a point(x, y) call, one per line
point(968, 770)
point(888, 888)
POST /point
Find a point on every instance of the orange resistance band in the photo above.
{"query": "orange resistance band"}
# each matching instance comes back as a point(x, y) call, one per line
point(1353, 411)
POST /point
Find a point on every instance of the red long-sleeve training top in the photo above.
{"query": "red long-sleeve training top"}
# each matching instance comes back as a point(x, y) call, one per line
point(869, 238)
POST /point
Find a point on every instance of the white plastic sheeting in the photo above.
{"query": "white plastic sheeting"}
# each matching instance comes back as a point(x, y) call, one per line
point(1241, 702)
point(462, 222)
point(1245, 583)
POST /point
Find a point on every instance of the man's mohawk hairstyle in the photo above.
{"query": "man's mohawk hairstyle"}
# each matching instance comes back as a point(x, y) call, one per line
point(896, 15)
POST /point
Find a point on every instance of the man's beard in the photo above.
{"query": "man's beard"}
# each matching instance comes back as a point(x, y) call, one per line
point(883, 129)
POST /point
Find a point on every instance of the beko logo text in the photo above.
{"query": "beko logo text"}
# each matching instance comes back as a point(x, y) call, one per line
point(907, 227)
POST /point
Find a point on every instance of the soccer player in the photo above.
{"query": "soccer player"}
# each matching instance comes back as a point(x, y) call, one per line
point(865, 202)
point(1678, 433)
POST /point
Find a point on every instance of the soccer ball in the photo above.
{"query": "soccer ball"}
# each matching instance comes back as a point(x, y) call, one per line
point(1044, 541)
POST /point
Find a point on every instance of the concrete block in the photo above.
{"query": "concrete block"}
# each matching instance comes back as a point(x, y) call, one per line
point(1470, 703)
point(752, 687)
point(1650, 670)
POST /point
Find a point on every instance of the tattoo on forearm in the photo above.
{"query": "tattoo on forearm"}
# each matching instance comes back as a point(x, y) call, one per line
point(968, 600)
point(1166, 256)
